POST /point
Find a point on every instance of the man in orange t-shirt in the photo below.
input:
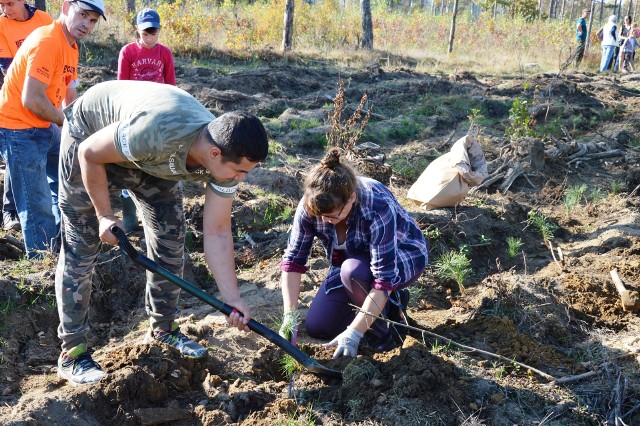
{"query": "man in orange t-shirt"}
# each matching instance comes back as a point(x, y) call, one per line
point(36, 86)
point(17, 21)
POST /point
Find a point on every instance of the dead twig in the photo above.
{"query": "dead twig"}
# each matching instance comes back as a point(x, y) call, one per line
point(471, 349)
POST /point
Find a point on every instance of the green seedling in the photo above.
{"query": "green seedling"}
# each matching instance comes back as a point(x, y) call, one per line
point(513, 246)
point(596, 195)
point(617, 186)
point(543, 225)
point(572, 197)
point(454, 265)
point(288, 365)
point(433, 233)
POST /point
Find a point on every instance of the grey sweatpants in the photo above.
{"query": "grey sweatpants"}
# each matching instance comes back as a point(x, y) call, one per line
point(159, 201)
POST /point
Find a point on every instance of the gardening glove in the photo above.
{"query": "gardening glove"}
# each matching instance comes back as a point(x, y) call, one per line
point(289, 327)
point(347, 343)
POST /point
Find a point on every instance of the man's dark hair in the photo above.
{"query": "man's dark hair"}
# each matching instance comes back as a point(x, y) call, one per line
point(239, 134)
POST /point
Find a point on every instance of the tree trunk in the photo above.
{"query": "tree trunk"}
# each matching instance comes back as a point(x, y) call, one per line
point(552, 3)
point(629, 9)
point(586, 47)
point(287, 32)
point(453, 26)
point(573, 4)
point(495, 9)
point(41, 4)
point(367, 25)
point(130, 6)
point(564, 2)
point(540, 8)
point(601, 10)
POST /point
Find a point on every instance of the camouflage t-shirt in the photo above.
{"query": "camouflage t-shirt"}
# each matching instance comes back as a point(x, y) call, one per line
point(158, 123)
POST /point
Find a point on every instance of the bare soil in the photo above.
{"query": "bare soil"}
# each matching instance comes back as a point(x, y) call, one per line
point(547, 319)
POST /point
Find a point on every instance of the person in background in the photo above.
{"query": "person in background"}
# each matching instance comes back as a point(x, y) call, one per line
point(37, 84)
point(376, 250)
point(147, 60)
point(581, 35)
point(609, 43)
point(627, 50)
point(17, 21)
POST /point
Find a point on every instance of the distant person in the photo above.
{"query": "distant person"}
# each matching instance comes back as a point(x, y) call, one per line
point(18, 20)
point(148, 138)
point(37, 84)
point(627, 50)
point(624, 31)
point(581, 35)
point(147, 60)
point(376, 251)
point(609, 43)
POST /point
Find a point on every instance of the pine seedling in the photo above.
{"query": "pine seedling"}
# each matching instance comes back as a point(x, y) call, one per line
point(288, 365)
point(572, 197)
point(455, 266)
point(513, 246)
point(542, 224)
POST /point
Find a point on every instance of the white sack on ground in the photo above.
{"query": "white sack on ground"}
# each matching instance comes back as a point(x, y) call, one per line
point(446, 181)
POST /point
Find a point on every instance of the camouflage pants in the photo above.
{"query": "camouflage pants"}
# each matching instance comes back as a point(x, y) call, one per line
point(159, 201)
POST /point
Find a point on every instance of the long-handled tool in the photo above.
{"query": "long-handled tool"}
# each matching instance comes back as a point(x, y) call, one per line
point(309, 363)
point(630, 299)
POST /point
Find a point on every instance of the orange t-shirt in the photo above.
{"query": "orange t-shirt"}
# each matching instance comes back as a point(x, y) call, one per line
point(46, 56)
point(13, 33)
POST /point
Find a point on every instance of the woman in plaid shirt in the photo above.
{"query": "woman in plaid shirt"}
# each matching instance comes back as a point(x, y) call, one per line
point(376, 251)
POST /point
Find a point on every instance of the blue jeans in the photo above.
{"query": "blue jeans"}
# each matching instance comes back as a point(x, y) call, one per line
point(607, 54)
point(8, 205)
point(32, 156)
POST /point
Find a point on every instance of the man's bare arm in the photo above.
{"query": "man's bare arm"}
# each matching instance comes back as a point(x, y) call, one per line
point(34, 98)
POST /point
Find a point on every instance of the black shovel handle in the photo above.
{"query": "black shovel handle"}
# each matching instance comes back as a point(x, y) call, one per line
point(308, 362)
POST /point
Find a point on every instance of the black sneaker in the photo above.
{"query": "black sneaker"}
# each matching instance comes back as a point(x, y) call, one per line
point(78, 367)
point(398, 314)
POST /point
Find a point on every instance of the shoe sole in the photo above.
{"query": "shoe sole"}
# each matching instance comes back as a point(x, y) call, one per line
point(70, 380)
point(152, 341)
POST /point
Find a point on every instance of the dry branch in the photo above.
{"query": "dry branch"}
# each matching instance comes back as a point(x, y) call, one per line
point(512, 174)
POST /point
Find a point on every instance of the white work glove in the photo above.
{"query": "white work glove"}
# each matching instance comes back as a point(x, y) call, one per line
point(347, 343)
point(289, 327)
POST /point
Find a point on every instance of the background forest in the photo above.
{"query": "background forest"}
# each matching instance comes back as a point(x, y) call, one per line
point(490, 36)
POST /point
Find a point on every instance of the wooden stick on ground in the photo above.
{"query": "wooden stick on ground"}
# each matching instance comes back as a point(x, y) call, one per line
point(550, 378)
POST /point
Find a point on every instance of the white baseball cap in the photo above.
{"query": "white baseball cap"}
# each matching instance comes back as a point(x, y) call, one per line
point(93, 5)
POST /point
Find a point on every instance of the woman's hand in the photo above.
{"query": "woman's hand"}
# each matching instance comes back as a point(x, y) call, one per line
point(289, 327)
point(347, 342)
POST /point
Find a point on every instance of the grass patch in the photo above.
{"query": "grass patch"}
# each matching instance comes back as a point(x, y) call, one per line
point(409, 169)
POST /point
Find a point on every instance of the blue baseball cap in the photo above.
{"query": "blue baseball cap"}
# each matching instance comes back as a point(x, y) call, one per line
point(148, 18)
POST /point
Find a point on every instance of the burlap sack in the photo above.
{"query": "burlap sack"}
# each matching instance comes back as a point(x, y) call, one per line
point(446, 181)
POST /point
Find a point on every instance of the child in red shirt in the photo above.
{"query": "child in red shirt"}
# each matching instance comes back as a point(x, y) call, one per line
point(144, 59)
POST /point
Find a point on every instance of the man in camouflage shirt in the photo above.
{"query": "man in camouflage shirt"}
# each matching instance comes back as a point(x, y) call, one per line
point(147, 138)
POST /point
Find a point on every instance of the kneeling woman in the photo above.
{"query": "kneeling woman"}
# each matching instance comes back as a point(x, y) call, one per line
point(376, 251)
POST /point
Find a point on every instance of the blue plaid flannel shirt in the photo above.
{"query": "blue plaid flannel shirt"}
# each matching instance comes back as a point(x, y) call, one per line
point(377, 226)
